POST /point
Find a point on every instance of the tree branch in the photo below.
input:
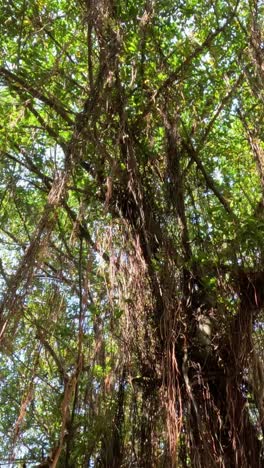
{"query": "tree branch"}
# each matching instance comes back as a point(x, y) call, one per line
point(52, 102)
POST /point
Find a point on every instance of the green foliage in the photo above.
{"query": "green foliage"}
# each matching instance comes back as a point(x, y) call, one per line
point(93, 92)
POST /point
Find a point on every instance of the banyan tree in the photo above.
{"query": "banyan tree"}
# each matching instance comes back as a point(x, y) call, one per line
point(132, 233)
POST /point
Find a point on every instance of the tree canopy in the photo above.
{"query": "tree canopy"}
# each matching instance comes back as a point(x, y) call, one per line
point(131, 233)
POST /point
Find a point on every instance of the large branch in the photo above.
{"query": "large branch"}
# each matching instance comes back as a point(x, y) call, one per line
point(47, 181)
point(207, 177)
point(52, 102)
point(50, 350)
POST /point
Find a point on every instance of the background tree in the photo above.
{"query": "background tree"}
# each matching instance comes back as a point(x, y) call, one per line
point(131, 200)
